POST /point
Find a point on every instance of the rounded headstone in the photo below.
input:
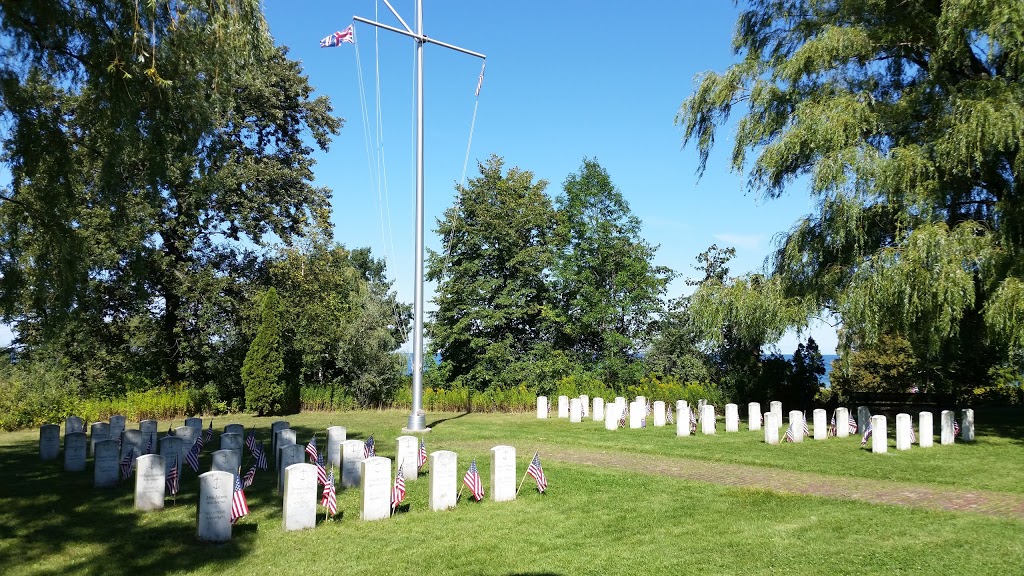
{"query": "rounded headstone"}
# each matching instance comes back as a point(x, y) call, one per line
point(235, 429)
point(214, 510)
point(98, 431)
point(903, 430)
point(49, 442)
point(73, 424)
point(116, 426)
point(707, 419)
point(598, 410)
point(754, 416)
point(299, 511)
point(149, 482)
point(732, 418)
point(106, 464)
point(820, 427)
point(376, 497)
point(75, 448)
point(443, 480)
point(926, 439)
point(335, 436)
point(288, 456)
point(227, 461)
point(542, 406)
point(407, 453)
point(503, 473)
point(771, 428)
point(659, 413)
point(842, 422)
point(351, 456)
point(879, 435)
point(232, 441)
point(967, 425)
point(575, 410)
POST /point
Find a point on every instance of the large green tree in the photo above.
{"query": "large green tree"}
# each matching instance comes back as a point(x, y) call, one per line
point(607, 288)
point(905, 119)
point(147, 144)
point(493, 302)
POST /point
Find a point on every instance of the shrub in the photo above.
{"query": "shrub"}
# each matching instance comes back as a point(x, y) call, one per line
point(264, 362)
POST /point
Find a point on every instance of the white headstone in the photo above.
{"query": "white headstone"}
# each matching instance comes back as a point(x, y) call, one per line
point(351, 456)
point(927, 436)
point(49, 441)
point(232, 441)
point(116, 426)
point(407, 455)
point(563, 406)
point(659, 413)
point(863, 418)
point(575, 410)
point(598, 410)
point(227, 461)
point(335, 436)
point(621, 402)
point(195, 424)
point(842, 422)
point(275, 427)
point(946, 431)
point(376, 500)
point(967, 425)
point(611, 417)
point(776, 407)
point(188, 437)
point(636, 415)
point(443, 480)
point(682, 418)
point(149, 482)
point(754, 416)
point(299, 512)
point(214, 510)
point(284, 437)
point(106, 464)
point(585, 404)
point(903, 425)
point(98, 431)
point(820, 425)
point(879, 435)
point(287, 456)
point(732, 418)
point(503, 473)
point(796, 422)
point(234, 429)
point(542, 408)
point(131, 441)
point(75, 448)
point(73, 424)
point(707, 419)
point(771, 428)
point(171, 448)
point(148, 429)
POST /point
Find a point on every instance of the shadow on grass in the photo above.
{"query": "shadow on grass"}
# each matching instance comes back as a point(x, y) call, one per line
point(443, 420)
point(51, 519)
point(1007, 422)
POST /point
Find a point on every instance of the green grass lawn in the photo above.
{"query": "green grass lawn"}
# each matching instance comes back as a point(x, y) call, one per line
point(592, 520)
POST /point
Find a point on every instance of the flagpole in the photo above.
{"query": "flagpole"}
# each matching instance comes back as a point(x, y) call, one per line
point(417, 417)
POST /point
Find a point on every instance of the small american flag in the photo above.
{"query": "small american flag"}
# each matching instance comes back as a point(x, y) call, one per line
point(623, 417)
point(250, 476)
point(311, 449)
point(149, 446)
point(369, 450)
point(209, 433)
point(398, 491)
point(789, 434)
point(647, 408)
point(330, 499)
point(239, 507)
point(172, 479)
point(538, 473)
point(261, 456)
point(669, 416)
point(472, 481)
point(321, 473)
point(867, 435)
point(832, 425)
point(913, 435)
point(807, 432)
point(250, 442)
point(127, 463)
point(693, 421)
point(193, 455)
point(852, 424)
point(956, 428)
point(422, 459)
point(346, 36)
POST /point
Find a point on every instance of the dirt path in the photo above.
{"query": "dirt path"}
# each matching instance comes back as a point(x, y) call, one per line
point(998, 504)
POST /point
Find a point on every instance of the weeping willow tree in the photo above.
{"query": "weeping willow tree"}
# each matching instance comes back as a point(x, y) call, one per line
point(905, 119)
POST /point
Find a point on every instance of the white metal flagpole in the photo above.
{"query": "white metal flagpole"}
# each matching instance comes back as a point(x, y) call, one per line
point(417, 417)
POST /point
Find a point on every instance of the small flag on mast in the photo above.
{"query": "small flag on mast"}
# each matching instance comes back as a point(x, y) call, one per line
point(172, 479)
point(346, 36)
point(398, 491)
point(330, 499)
point(480, 82)
point(538, 473)
point(473, 482)
point(423, 455)
point(239, 507)
point(369, 451)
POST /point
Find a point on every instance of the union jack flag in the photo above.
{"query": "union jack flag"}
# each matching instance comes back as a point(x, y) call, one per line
point(538, 473)
point(422, 456)
point(239, 507)
point(346, 36)
point(472, 481)
point(398, 491)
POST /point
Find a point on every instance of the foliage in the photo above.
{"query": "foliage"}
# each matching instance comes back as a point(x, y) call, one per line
point(887, 365)
point(149, 145)
point(263, 369)
point(492, 295)
point(606, 289)
point(906, 120)
point(808, 368)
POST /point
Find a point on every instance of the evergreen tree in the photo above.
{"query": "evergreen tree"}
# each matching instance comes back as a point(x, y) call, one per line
point(808, 368)
point(265, 390)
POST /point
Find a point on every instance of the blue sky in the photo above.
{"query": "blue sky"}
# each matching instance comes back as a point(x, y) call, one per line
point(564, 80)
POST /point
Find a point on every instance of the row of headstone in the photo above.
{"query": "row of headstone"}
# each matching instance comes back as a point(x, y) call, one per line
point(299, 492)
point(139, 440)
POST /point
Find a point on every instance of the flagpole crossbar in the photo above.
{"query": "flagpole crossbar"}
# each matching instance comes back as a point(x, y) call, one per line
point(417, 419)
